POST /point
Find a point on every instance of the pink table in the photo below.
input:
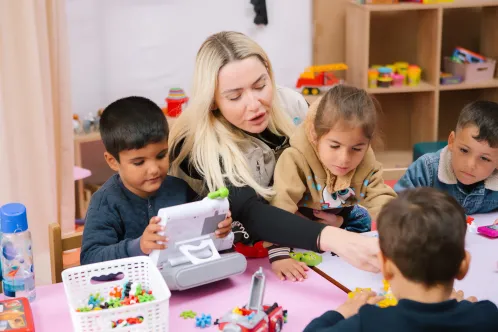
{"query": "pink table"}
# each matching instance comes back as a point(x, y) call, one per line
point(304, 301)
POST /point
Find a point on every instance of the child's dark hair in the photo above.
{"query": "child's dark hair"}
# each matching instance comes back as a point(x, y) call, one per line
point(422, 232)
point(484, 115)
point(132, 123)
point(346, 103)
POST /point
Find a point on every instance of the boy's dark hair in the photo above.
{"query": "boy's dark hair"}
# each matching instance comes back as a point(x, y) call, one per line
point(349, 104)
point(484, 115)
point(132, 123)
point(422, 232)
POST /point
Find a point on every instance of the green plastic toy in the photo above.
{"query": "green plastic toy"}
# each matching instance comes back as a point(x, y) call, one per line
point(309, 258)
point(220, 193)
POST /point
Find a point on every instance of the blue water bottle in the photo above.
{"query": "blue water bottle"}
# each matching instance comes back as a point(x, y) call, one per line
point(17, 256)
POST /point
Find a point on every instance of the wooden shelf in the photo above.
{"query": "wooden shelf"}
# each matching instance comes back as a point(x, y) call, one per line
point(423, 86)
point(417, 6)
point(469, 86)
point(422, 35)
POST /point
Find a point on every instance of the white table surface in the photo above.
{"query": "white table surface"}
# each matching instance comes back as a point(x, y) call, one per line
point(481, 281)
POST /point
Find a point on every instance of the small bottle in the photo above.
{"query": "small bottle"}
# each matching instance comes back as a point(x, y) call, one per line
point(17, 255)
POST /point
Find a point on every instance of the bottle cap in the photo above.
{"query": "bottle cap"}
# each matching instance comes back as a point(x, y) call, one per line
point(14, 219)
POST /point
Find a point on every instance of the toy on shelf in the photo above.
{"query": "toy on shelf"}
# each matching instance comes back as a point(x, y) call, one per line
point(316, 78)
point(448, 78)
point(175, 102)
point(389, 299)
point(427, 2)
point(310, 258)
point(469, 66)
point(192, 257)
point(254, 316)
point(377, 2)
point(397, 74)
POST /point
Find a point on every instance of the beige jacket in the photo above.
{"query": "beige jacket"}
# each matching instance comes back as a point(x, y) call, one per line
point(301, 180)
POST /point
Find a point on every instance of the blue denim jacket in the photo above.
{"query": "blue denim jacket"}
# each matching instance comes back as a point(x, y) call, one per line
point(434, 170)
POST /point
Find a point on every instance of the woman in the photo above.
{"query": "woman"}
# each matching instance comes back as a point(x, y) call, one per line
point(231, 134)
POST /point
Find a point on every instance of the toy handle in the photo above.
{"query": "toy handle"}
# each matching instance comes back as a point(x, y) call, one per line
point(186, 248)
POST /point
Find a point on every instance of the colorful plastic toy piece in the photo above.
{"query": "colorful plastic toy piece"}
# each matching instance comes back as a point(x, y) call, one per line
point(310, 258)
point(220, 193)
point(255, 251)
point(203, 321)
point(188, 314)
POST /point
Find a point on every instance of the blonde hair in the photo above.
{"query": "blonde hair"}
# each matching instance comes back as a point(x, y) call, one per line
point(214, 144)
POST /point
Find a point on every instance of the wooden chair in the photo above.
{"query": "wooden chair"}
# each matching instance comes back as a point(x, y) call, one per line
point(59, 244)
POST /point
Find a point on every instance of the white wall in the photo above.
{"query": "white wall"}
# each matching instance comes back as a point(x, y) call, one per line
point(144, 47)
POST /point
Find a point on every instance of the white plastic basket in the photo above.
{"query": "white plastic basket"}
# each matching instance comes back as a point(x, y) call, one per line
point(78, 287)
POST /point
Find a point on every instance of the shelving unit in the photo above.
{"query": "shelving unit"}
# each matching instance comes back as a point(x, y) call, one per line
point(422, 35)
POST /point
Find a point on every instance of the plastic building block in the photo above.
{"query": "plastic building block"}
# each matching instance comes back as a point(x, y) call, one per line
point(310, 258)
point(220, 193)
point(203, 321)
point(189, 314)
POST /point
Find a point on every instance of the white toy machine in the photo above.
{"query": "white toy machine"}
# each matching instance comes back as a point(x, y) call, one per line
point(192, 257)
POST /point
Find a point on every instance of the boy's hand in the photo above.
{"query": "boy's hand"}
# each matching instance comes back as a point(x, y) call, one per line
point(352, 306)
point(496, 222)
point(224, 227)
point(458, 295)
point(150, 238)
point(328, 218)
point(290, 269)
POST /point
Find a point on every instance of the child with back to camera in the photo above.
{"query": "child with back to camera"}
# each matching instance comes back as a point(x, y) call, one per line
point(330, 174)
point(422, 243)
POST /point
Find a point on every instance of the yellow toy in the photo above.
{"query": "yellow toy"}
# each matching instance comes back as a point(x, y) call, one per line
point(389, 299)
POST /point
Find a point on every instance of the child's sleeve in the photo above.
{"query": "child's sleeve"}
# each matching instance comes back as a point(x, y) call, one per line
point(289, 181)
point(376, 193)
point(101, 237)
point(417, 175)
point(332, 321)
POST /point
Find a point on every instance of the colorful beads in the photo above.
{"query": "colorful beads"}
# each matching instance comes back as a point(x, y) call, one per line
point(131, 293)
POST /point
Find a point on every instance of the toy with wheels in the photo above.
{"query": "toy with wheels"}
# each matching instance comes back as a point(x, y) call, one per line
point(254, 317)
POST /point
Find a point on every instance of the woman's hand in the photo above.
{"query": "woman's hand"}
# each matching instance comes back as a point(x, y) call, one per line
point(358, 250)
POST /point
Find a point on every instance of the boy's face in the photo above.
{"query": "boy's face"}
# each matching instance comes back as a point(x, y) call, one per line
point(472, 161)
point(142, 170)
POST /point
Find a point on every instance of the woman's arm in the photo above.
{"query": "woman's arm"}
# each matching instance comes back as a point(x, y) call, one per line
point(270, 223)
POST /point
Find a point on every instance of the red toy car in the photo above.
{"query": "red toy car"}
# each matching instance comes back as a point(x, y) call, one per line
point(254, 317)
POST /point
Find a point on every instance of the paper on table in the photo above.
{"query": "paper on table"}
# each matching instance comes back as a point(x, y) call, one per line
point(481, 280)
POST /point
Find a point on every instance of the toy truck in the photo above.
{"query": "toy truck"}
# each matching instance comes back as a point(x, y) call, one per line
point(254, 317)
point(315, 78)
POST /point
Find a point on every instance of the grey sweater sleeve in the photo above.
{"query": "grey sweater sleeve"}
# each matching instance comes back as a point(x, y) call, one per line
point(101, 236)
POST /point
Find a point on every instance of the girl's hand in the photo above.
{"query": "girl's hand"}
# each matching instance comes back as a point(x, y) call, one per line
point(358, 250)
point(328, 218)
point(496, 222)
point(290, 269)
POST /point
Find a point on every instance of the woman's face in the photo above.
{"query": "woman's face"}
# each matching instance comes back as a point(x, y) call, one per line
point(245, 94)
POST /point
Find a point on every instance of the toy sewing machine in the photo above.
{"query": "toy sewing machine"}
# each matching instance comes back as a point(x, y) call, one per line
point(192, 255)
